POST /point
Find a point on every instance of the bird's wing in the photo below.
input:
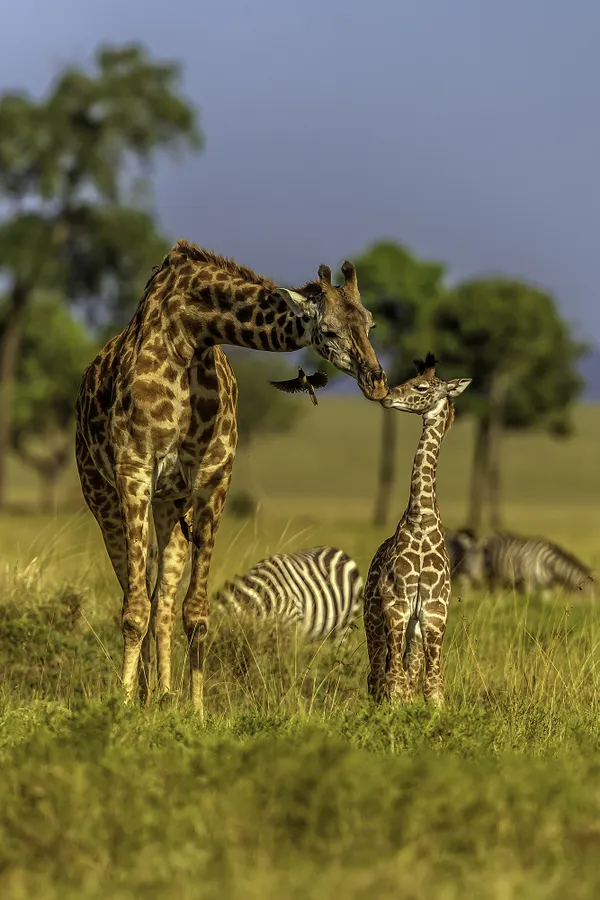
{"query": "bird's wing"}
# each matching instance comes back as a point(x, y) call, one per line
point(292, 386)
point(318, 380)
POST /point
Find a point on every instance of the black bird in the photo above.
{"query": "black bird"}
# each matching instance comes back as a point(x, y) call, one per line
point(303, 382)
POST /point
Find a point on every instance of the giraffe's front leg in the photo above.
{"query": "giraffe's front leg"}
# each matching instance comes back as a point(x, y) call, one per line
point(134, 488)
point(208, 506)
point(433, 616)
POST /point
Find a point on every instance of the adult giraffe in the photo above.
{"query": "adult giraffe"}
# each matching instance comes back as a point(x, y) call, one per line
point(156, 427)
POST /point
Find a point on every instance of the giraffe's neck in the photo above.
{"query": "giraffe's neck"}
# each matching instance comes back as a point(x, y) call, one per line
point(211, 310)
point(422, 506)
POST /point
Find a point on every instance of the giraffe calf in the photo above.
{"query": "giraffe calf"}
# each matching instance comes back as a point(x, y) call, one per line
point(408, 585)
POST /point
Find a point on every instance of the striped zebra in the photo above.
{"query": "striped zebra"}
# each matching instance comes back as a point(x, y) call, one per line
point(530, 563)
point(320, 588)
point(466, 556)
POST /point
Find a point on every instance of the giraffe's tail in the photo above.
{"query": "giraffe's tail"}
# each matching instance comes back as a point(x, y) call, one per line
point(151, 558)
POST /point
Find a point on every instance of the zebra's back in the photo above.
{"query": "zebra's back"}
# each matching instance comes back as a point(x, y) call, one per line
point(320, 588)
point(533, 563)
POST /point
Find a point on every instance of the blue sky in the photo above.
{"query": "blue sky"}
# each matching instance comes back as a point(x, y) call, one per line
point(468, 130)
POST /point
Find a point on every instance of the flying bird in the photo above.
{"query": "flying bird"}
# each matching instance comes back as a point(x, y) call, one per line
point(303, 382)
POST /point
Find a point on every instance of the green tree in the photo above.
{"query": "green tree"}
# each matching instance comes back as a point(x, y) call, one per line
point(508, 337)
point(402, 291)
point(54, 352)
point(262, 409)
point(111, 254)
point(71, 165)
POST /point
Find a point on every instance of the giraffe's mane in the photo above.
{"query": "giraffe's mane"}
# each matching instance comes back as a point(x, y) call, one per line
point(450, 418)
point(226, 264)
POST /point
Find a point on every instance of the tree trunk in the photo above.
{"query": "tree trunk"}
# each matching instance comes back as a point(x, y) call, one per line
point(10, 344)
point(48, 478)
point(387, 468)
point(498, 394)
point(494, 479)
point(479, 474)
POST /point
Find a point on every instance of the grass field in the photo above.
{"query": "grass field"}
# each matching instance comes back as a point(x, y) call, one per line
point(296, 787)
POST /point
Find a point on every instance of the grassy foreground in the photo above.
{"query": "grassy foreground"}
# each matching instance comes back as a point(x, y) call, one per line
point(296, 787)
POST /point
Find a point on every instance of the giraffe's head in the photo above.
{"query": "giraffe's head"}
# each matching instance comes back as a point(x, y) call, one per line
point(425, 392)
point(339, 325)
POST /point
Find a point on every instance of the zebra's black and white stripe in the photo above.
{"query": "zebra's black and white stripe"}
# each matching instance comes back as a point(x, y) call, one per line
point(514, 561)
point(320, 588)
point(533, 563)
point(530, 563)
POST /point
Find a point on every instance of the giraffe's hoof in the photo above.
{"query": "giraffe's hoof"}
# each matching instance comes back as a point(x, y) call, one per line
point(394, 693)
point(396, 700)
point(374, 690)
point(436, 700)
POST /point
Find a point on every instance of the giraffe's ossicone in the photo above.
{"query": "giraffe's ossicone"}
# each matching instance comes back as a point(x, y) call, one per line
point(408, 584)
point(157, 434)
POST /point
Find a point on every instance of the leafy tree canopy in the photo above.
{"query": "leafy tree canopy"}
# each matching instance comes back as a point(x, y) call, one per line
point(92, 124)
point(498, 328)
point(402, 291)
point(54, 353)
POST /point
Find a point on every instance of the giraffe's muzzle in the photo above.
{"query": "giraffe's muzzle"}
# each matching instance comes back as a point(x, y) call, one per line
point(373, 383)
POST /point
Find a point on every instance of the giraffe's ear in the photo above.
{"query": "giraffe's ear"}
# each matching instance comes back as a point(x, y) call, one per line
point(298, 303)
point(455, 386)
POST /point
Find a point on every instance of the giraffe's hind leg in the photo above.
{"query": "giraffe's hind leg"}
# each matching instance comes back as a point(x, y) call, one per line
point(434, 611)
point(144, 665)
point(103, 502)
point(209, 501)
point(376, 640)
point(396, 612)
point(413, 655)
point(107, 507)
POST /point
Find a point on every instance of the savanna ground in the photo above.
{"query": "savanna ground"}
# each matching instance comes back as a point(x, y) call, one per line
point(295, 787)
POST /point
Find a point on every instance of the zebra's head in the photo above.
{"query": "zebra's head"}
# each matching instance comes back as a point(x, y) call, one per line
point(470, 553)
point(425, 392)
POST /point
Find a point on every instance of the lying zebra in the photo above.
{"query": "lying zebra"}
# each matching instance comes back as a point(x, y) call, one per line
point(522, 563)
point(320, 588)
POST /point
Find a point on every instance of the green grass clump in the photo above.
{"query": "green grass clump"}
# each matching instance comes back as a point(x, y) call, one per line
point(102, 801)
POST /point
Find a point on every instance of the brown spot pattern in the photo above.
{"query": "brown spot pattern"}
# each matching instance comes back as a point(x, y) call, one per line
point(408, 586)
